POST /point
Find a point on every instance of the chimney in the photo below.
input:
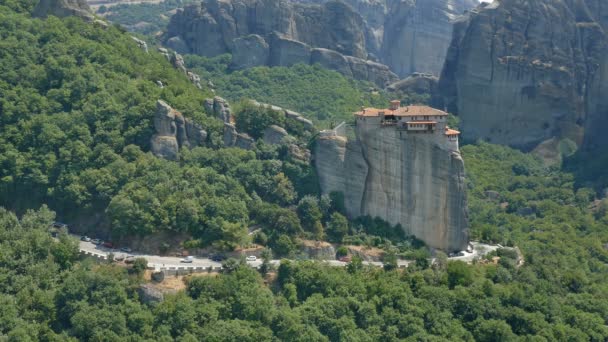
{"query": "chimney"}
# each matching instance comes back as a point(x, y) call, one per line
point(395, 104)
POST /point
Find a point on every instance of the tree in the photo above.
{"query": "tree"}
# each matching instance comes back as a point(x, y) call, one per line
point(139, 266)
point(309, 212)
point(337, 227)
point(459, 274)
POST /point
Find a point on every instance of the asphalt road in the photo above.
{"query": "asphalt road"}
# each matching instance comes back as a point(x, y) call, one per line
point(166, 262)
point(158, 262)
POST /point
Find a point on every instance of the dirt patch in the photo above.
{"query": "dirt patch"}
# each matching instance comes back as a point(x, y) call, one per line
point(315, 244)
point(366, 253)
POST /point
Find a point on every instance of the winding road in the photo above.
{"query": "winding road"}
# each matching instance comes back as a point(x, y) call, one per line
point(166, 263)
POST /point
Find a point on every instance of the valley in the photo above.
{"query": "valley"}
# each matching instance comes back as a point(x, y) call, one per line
point(303, 170)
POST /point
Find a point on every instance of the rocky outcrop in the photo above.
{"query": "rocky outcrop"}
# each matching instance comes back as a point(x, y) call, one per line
point(417, 83)
point(250, 51)
point(173, 132)
point(289, 114)
point(410, 180)
point(407, 36)
point(275, 135)
point(63, 8)
point(142, 44)
point(278, 33)
point(521, 72)
point(219, 108)
point(417, 34)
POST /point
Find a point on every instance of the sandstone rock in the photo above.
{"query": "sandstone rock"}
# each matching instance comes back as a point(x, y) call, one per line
point(277, 33)
point(417, 83)
point(417, 34)
point(142, 44)
point(230, 134)
point(219, 108)
point(521, 72)
point(149, 294)
point(250, 51)
point(173, 132)
point(244, 141)
point(411, 180)
point(287, 52)
point(178, 62)
point(330, 59)
point(274, 135)
point(380, 74)
point(63, 8)
point(177, 44)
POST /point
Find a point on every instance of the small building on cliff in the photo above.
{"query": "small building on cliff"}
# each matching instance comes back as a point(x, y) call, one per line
point(403, 166)
point(411, 120)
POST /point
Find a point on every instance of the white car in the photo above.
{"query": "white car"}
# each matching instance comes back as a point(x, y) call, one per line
point(251, 258)
point(188, 260)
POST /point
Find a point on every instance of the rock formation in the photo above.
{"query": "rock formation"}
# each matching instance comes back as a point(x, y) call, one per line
point(405, 35)
point(278, 33)
point(142, 44)
point(412, 179)
point(63, 8)
point(519, 72)
point(173, 132)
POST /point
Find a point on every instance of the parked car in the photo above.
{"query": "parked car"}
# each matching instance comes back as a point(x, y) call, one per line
point(188, 260)
point(129, 259)
point(85, 238)
point(108, 244)
point(126, 249)
point(119, 257)
point(59, 225)
point(251, 258)
point(460, 254)
point(217, 257)
point(96, 241)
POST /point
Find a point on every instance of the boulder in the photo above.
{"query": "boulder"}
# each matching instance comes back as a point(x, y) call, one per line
point(148, 294)
point(274, 135)
point(244, 141)
point(250, 51)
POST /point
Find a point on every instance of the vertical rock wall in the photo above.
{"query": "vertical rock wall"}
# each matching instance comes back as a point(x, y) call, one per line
point(519, 72)
point(412, 180)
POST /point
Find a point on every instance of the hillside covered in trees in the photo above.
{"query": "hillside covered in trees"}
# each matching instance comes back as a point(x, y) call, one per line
point(77, 104)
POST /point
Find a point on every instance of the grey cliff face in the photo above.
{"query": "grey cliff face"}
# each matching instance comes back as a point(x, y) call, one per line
point(409, 180)
point(63, 8)
point(278, 33)
point(408, 35)
point(173, 132)
point(521, 72)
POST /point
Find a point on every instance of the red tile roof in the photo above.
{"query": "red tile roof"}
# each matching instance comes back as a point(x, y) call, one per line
point(449, 131)
point(403, 111)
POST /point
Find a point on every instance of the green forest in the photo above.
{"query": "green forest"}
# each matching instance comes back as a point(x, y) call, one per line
point(77, 103)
